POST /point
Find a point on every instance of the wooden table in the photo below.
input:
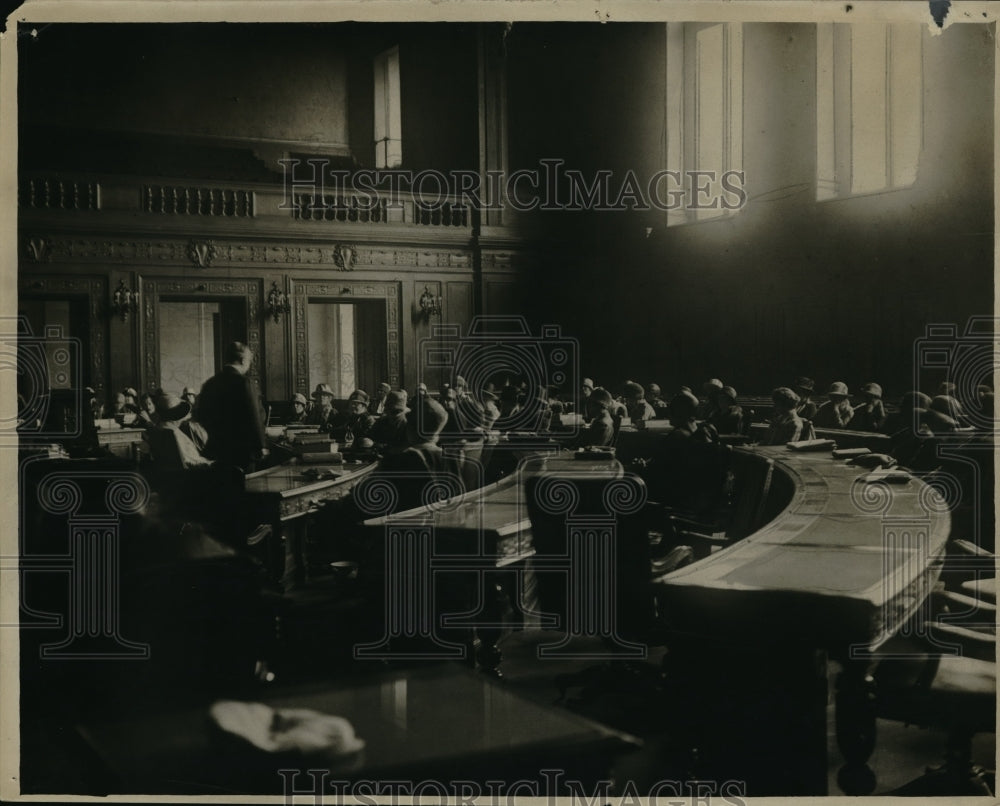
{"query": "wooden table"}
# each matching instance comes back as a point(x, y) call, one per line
point(440, 724)
point(841, 570)
point(283, 496)
point(483, 536)
point(122, 442)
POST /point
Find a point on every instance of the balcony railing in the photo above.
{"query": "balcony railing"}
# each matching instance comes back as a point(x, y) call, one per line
point(204, 201)
point(53, 193)
point(109, 194)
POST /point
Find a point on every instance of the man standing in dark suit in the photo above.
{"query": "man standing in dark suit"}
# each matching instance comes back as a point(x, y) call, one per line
point(229, 410)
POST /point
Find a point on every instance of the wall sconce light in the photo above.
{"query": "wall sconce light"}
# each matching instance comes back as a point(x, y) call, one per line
point(429, 304)
point(124, 300)
point(277, 302)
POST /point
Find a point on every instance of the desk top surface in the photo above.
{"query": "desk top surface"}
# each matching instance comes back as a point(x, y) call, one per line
point(501, 508)
point(400, 717)
point(843, 547)
point(298, 479)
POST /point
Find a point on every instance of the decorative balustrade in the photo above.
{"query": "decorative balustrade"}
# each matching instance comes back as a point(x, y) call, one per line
point(114, 194)
point(50, 193)
point(355, 209)
point(179, 200)
point(447, 214)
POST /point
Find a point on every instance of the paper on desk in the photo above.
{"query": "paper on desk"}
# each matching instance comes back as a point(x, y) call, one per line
point(284, 730)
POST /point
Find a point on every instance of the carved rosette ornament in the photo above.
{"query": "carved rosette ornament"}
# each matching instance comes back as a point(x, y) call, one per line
point(202, 253)
point(345, 256)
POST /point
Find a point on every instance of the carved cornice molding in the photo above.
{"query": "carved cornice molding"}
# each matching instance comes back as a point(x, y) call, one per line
point(145, 253)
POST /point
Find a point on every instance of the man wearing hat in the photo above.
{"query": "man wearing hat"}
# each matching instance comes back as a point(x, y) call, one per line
point(683, 411)
point(636, 406)
point(323, 414)
point(786, 425)
point(168, 441)
point(654, 396)
point(229, 408)
point(588, 407)
point(601, 430)
point(491, 411)
point(377, 404)
point(837, 412)
point(804, 387)
point(300, 404)
point(468, 416)
point(359, 422)
point(420, 460)
point(708, 408)
point(728, 418)
point(869, 415)
point(389, 431)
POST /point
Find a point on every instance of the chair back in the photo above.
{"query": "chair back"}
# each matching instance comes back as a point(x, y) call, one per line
point(601, 518)
point(752, 485)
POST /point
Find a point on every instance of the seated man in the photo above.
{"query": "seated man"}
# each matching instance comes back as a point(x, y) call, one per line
point(323, 415)
point(786, 424)
point(837, 412)
point(148, 418)
point(683, 409)
point(687, 470)
point(654, 396)
point(870, 415)
point(636, 405)
point(491, 411)
point(601, 430)
point(299, 409)
point(588, 408)
point(421, 460)
point(804, 388)
point(728, 417)
point(359, 422)
point(389, 431)
point(377, 404)
point(172, 448)
point(711, 388)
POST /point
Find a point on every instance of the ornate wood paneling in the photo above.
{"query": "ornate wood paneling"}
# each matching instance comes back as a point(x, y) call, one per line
point(153, 289)
point(345, 292)
point(215, 253)
point(96, 291)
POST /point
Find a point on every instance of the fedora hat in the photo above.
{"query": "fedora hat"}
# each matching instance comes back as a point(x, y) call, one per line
point(683, 406)
point(838, 388)
point(783, 396)
point(358, 396)
point(633, 390)
point(396, 402)
point(804, 384)
point(322, 389)
point(171, 407)
point(602, 397)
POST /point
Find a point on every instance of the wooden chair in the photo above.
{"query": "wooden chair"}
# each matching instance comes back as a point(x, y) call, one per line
point(919, 680)
point(751, 478)
point(595, 662)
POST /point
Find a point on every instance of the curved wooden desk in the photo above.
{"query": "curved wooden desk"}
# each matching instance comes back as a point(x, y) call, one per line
point(845, 564)
point(841, 569)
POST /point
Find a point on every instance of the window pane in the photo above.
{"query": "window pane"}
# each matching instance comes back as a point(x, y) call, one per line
point(868, 108)
point(905, 110)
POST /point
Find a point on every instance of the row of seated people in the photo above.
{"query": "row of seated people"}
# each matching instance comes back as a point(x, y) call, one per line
point(719, 407)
